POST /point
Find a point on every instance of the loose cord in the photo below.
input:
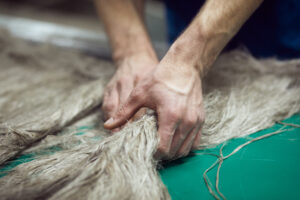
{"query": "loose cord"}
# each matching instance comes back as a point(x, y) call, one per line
point(221, 158)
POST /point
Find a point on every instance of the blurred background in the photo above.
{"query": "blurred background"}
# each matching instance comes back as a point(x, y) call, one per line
point(61, 21)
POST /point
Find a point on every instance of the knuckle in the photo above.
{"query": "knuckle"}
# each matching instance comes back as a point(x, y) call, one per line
point(191, 121)
point(182, 135)
point(164, 151)
point(173, 115)
point(121, 111)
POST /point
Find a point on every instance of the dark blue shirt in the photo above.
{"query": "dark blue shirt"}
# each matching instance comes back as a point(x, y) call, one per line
point(272, 30)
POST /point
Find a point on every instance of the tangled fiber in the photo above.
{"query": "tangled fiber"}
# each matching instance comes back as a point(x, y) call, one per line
point(41, 91)
point(45, 93)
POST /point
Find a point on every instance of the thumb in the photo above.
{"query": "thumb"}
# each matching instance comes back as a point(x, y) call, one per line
point(124, 113)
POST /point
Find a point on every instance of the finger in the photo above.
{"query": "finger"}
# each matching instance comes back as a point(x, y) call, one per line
point(181, 134)
point(189, 124)
point(115, 130)
point(110, 103)
point(139, 114)
point(125, 112)
point(197, 140)
point(188, 143)
point(166, 129)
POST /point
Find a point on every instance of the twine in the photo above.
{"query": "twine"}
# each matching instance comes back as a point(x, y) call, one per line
point(219, 195)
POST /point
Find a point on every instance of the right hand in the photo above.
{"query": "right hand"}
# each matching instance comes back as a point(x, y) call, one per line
point(174, 91)
point(130, 70)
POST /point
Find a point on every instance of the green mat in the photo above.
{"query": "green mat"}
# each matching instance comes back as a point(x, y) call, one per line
point(266, 169)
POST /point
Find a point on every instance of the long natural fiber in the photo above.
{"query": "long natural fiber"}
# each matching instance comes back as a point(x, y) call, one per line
point(241, 95)
point(42, 90)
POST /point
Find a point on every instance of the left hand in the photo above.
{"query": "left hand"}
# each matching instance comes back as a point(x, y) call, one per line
point(130, 70)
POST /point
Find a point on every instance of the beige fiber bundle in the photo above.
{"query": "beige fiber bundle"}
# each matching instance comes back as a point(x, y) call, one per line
point(45, 91)
point(41, 91)
point(93, 170)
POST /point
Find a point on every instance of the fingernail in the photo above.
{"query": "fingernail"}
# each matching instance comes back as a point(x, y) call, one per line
point(109, 121)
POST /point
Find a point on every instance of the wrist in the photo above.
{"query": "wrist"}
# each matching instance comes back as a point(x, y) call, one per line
point(142, 58)
point(189, 50)
point(177, 76)
point(132, 46)
point(198, 49)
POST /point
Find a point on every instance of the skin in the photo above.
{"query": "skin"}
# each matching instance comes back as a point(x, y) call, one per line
point(172, 87)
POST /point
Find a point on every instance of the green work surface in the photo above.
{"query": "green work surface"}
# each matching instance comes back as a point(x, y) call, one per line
point(265, 169)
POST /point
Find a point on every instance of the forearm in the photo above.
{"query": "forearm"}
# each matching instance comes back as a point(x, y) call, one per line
point(124, 25)
point(140, 7)
point(216, 23)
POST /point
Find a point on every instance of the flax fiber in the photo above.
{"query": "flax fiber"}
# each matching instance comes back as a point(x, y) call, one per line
point(46, 92)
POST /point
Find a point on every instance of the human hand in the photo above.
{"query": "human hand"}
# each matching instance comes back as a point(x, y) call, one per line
point(174, 91)
point(130, 70)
